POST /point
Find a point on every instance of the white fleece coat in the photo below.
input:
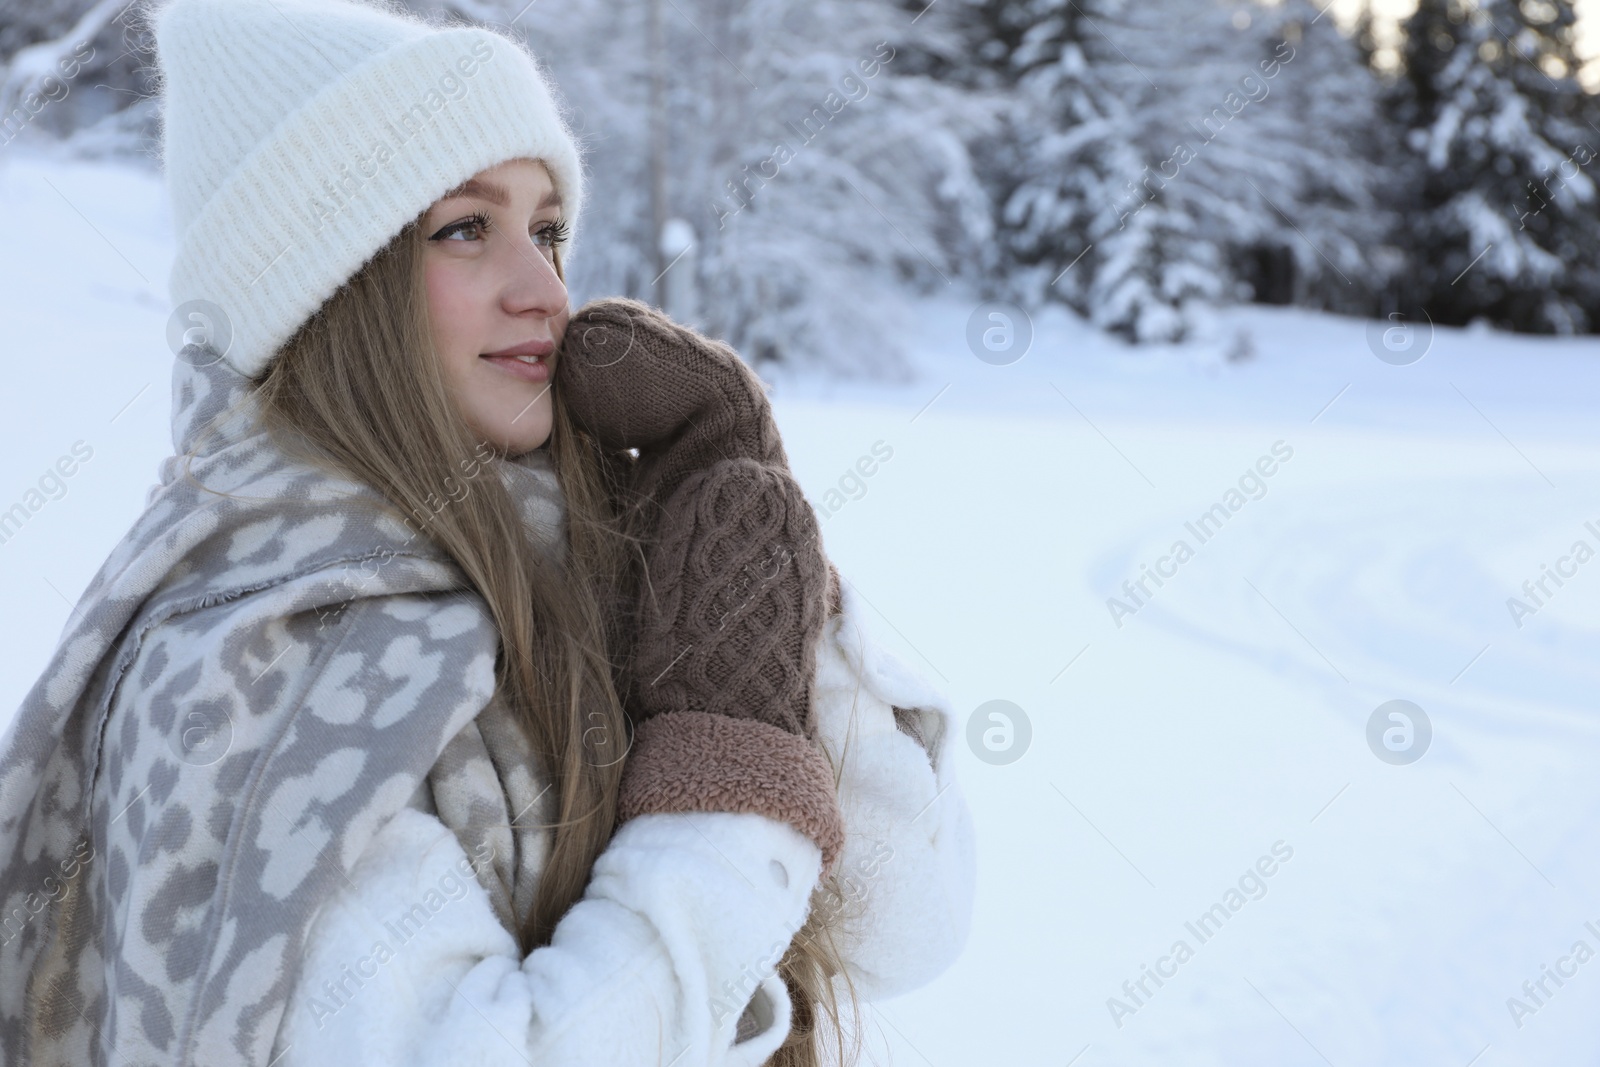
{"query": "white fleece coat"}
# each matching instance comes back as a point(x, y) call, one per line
point(670, 957)
point(257, 701)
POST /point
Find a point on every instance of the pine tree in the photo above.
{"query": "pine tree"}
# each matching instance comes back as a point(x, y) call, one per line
point(1505, 222)
point(66, 65)
point(1323, 131)
point(1257, 128)
point(817, 175)
point(1168, 156)
point(1081, 219)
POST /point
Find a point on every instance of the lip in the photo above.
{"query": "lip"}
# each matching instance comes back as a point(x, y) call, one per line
point(527, 348)
point(507, 360)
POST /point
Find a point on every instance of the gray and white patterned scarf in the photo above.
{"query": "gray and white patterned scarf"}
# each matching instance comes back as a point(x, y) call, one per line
point(266, 668)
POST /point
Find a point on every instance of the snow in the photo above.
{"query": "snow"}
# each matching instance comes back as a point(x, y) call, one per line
point(1226, 714)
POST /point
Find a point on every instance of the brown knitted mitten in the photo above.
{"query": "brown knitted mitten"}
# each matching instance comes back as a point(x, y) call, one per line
point(736, 588)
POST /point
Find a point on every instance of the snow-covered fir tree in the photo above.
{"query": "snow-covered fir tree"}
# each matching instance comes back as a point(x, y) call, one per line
point(1167, 156)
point(815, 176)
point(1081, 220)
point(71, 67)
point(1318, 149)
point(1138, 161)
point(1503, 221)
point(1256, 127)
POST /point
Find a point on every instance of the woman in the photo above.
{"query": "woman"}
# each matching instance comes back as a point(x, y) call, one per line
point(417, 719)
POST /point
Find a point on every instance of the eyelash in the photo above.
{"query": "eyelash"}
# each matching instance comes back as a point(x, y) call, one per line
point(557, 231)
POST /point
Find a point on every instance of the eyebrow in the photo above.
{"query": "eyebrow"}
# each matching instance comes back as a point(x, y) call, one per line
point(496, 194)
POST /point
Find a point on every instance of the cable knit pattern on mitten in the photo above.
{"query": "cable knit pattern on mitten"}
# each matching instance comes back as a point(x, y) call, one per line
point(735, 587)
point(724, 656)
point(731, 615)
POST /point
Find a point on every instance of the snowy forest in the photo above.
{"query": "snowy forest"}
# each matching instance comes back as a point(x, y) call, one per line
point(1141, 163)
point(1174, 555)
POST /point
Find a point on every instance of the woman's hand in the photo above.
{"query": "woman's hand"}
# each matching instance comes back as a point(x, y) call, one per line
point(736, 587)
point(635, 379)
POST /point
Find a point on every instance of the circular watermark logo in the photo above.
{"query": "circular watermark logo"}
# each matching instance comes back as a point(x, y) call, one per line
point(1401, 339)
point(199, 332)
point(999, 333)
point(999, 732)
point(202, 735)
point(1399, 732)
point(599, 340)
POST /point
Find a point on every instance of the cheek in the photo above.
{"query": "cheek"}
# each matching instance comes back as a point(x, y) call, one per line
point(451, 307)
point(455, 317)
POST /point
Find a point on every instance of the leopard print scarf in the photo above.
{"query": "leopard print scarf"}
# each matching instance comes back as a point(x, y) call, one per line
point(266, 668)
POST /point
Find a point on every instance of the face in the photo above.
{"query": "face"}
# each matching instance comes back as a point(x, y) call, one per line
point(497, 306)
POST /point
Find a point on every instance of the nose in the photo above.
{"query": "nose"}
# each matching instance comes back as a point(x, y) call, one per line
point(532, 285)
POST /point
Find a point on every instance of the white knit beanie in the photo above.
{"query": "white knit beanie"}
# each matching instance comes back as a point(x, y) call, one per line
point(299, 136)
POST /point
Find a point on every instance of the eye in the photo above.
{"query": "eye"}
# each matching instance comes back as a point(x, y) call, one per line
point(478, 220)
point(555, 233)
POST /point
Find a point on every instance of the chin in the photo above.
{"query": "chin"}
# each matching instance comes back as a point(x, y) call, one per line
point(527, 433)
point(530, 432)
point(531, 445)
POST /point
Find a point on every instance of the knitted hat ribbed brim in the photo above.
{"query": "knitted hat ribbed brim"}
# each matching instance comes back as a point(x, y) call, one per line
point(300, 136)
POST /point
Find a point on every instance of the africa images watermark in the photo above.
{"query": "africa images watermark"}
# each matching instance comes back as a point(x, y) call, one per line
point(353, 977)
point(1255, 90)
point(1580, 553)
point(1204, 528)
point(778, 558)
point(342, 189)
point(51, 89)
point(736, 993)
point(854, 90)
point(51, 485)
point(835, 899)
point(851, 483)
point(1531, 1000)
point(53, 889)
point(1209, 923)
point(433, 505)
point(1581, 156)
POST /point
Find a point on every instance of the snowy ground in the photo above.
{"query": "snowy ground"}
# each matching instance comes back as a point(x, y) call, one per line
point(1225, 716)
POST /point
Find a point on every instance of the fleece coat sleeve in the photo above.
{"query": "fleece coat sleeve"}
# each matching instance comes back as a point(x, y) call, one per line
point(904, 887)
point(679, 933)
point(680, 929)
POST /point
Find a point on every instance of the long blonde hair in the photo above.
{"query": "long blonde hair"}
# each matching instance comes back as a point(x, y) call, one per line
point(360, 384)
